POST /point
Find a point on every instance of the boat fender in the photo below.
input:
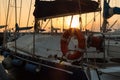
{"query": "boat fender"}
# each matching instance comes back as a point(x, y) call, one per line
point(5, 53)
point(31, 68)
point(17, 62)
point(79, 49)
point(7, 63)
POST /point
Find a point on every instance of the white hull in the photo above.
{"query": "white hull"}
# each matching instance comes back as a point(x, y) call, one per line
point(113, 48)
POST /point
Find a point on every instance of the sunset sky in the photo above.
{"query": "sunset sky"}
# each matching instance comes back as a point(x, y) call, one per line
point(22, 21)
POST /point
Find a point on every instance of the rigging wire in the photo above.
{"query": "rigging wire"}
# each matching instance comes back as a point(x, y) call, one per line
point(99, 1)
point(20, 12)
point(15, 11)
point(7, 13)
point(91, 20)
point(4, 39)
point(4, 8)
point(10, 16)
point(46, 24)
point(29, 13)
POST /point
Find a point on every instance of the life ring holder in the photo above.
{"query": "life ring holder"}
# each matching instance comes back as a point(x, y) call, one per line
point(96, 41)
point(67, 35)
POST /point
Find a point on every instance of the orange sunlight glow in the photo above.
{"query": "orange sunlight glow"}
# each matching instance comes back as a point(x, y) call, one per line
point(75, 21)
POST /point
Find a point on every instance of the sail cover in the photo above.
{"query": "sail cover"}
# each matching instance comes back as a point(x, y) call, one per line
point(50, 9)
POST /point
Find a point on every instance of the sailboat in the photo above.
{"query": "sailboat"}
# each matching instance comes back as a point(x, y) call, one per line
point(53, 56)
point(112, 44)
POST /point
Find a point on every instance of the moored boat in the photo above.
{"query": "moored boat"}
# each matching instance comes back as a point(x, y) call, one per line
point(52, 56)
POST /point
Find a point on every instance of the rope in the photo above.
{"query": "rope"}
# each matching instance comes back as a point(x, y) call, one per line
point(46, 24)
point(71, 21)
point(80, 21)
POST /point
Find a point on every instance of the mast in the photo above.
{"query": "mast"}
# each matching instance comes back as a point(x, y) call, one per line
point(16, 24)
point(108, 12)
point(5, 33)
point(16, 12)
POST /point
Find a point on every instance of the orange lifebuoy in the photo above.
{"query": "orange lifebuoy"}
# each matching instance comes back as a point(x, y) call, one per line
point(76, 54)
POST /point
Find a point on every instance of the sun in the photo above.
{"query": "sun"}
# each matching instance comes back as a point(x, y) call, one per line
point(75, 21)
